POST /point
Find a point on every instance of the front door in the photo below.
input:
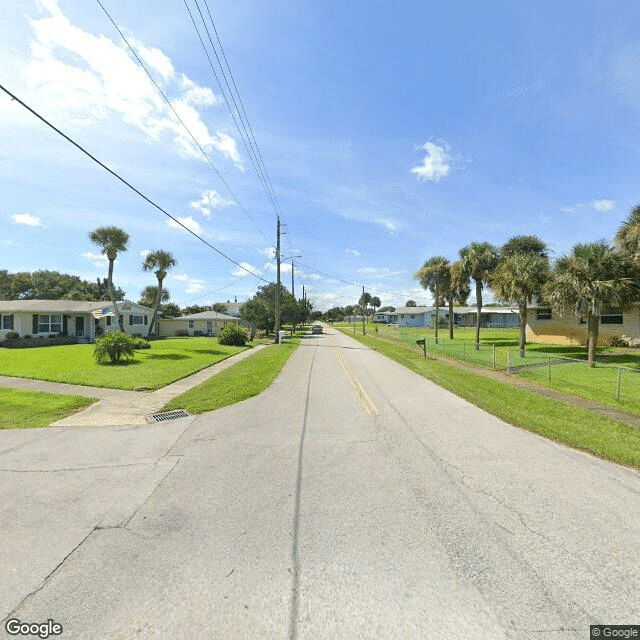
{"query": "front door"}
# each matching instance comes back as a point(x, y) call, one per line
point(79, 326)
point(209, 327)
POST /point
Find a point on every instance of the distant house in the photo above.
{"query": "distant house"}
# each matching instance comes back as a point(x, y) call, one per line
point(205, 323)
point(546, 326)
point(494, 317)
point(388, 317)
point(78, 319)
point(413, 316)
point(233, 308)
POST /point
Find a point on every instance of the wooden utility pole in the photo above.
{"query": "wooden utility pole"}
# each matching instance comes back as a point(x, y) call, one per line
point(364, 330)
point(293, 291)
point(278, 282)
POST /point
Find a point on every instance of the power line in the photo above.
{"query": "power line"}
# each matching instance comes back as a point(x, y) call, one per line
point(327, 275)
point(175, 113)
point(128, 184)
point(248, 137)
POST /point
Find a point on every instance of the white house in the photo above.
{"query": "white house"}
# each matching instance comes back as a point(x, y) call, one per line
point(205, 323)
point(77, 319)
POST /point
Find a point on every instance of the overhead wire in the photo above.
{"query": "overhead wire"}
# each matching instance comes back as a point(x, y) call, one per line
point(125, 182)
point(175, 113)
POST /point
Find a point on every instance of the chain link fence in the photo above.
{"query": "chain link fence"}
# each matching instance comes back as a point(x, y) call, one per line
point(607, 383)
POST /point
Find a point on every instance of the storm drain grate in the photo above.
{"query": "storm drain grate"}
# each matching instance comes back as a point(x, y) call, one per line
point(167, 415)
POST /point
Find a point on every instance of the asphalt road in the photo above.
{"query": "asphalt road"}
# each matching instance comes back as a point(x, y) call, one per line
point(353, 499)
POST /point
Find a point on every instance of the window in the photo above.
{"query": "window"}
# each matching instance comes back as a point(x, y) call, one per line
point(192, 324)
point(412, 316)
point(49, 324)
point(611, 316)
point(137, 319)
point(108, 321)
point(6, 321)
point(543, 314)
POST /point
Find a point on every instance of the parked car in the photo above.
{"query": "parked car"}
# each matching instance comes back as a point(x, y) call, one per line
point(316, 328)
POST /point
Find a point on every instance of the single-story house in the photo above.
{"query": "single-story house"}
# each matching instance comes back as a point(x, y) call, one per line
point(546, 326)
point(494, 317)
point(413, 316)
point(205, 323)
point(387, 317)
point(78, 319)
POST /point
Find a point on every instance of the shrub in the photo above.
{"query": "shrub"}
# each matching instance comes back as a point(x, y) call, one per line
point(617, 341)
point(12, 335)
point(113, 348)
point(140, 343)
point(181, 333)
point(234, 335)
point(27, 337)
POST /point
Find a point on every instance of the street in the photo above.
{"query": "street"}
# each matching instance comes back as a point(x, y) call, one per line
point(352, 499)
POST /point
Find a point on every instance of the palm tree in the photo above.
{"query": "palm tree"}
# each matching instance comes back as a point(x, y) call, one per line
point(435, 275)
point(365, 301)
point(479, 260)
point(149, 294)
point(159, 262)
point(628, 236)
point(457, 291)
point(522, 271)
point(375, 303)
point(112, 240)
point(588, 280)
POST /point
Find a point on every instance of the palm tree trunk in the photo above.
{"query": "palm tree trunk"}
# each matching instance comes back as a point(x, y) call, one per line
point(479, 309)
point(436, 301)
point(155, 308)
point(593, 322)
point(112, 296)
point(523, 327)
point(451, 318)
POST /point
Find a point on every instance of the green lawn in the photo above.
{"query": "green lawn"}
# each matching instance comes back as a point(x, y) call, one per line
point(576, 427)
point(243, 380)
point(561, 367)
point(29, 409)
point(168, 360)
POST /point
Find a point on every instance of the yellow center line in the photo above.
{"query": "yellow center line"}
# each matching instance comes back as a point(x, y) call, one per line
point(367, 404)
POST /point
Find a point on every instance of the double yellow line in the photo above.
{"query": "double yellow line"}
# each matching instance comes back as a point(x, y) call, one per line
point(363, 397)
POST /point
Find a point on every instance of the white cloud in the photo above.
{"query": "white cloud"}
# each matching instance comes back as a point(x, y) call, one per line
point(436, 164)
point(241, 272)
point(604, 205)
point(308, 276)
point(188, 222)
point(268, 252)
point(352, 252)
point(195, 286)
point(84, 77)
point(391, 225)
point(373, 270)
point(210, 200)
point(182, 277)
point(545, 219)
point(98, 259)
point(27, 219)
point(573, 208)
point(144, 253)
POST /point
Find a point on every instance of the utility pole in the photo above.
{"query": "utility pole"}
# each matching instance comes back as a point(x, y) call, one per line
point(278, 283)
point(293, 292)
point(304, 306)
point(364, 330)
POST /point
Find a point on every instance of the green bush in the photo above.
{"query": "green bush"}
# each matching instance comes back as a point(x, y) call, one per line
point(12, 335)
point(141, 343)
point(232, 334)
point(617, 341)
point(113, 348)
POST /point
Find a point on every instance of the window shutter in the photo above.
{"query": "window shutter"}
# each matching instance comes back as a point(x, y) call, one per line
point(65, 324)
point(130, 319)
point(146, 320)
point(34, 324)
point(11, 322)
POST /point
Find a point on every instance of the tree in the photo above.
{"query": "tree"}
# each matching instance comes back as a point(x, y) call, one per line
point(627, 238)
point(170, 310)
point(410, 303)
point(159, 262)
point(260, 310)
point(375, 303)
point(364, 302)
point(590, 279)
point(390, 309)
point(113, 348)
point(112, 240)
point(522, 270)
point(478, 261)
point(434, 276)
point(194, 308)
point(456, 292)
point(149, 295)
point(219, 307)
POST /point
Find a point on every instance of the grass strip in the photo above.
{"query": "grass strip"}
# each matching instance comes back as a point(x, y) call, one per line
point(31, 409)
point(243, 380)
point(579, 428)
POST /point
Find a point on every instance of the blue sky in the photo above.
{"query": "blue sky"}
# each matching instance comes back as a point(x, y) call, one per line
point(391, 132)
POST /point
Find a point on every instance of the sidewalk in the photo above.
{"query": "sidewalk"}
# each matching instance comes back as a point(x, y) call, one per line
point(122, 408)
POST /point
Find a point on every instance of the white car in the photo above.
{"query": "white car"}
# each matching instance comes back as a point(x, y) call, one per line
point(316, 328)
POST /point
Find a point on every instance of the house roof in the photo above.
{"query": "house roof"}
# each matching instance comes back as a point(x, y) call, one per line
point(64, 306)
point(207, 315)
point(410, 310)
